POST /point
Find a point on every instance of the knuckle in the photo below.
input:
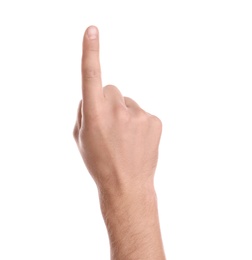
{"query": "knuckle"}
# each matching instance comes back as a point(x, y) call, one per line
point(110, 90)
point(158, 123)
point(141, 116)
point(91, 73)
point(93, 49)
point(122, 113)
point(109, 87)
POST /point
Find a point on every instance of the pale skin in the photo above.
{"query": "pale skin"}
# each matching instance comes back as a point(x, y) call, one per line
point(119, 142)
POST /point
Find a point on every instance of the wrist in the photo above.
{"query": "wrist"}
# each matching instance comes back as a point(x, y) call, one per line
point(131, 215)
point(130, 206)
point(132, 194)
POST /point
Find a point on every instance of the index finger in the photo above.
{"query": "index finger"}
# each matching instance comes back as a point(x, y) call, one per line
point(91, 69)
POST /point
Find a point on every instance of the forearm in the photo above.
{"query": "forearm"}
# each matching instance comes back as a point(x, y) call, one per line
point(131, 218)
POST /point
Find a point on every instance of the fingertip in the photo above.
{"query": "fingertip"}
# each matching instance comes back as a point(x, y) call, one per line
point(91, 39)
point(92, 32)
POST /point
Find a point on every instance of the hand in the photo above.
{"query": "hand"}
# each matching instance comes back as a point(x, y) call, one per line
point(118, 140)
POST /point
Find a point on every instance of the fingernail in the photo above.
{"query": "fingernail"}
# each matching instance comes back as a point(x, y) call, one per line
point(92, 32)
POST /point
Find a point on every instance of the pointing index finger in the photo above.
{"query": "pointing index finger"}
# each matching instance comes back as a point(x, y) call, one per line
point(91, 70)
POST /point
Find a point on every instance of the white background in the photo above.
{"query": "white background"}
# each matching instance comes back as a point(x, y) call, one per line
point(188, 62)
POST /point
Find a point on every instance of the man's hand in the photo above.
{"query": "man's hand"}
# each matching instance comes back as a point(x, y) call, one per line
point(118, 142)
point(117, 139)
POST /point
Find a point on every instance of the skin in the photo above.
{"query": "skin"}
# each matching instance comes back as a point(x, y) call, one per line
point(118, 142)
